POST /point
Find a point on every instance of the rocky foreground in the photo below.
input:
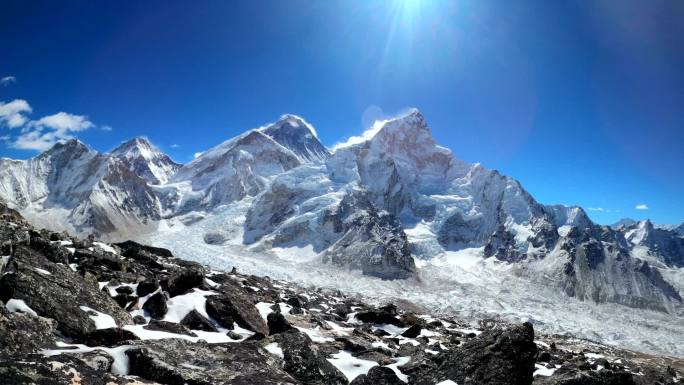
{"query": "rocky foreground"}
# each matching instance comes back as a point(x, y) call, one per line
point(84, 312)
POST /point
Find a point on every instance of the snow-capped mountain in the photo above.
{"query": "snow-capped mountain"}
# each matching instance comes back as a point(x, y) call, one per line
point(624, 222)
point(376, 205)
point(72, 187)
point(666, 245)
point(146, 161)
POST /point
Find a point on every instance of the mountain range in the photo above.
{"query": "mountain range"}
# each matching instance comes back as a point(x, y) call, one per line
point(383, 205)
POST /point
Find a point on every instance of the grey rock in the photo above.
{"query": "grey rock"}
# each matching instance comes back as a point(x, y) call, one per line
point(178, 362)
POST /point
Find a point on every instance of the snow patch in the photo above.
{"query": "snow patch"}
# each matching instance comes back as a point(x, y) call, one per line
point(275, 349)
point(102, 320)
point(351, 366)
point(18, 305)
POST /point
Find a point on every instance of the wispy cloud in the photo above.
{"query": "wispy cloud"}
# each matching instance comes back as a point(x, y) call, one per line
point(641, 206)
point(175, 145)
point(366, 135)
point(106, 128)
point(7, 80)
point(603, 210)
point(13, 114)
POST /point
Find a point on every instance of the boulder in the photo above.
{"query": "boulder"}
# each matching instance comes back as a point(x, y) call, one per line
point(109, 337)
point(234, 306)
point(57, 370)
point(146, 287)
point(183, 281)
point(305, 362)
point(195, 320)
point(604, 377)
point(156, 305)
point(378, 375)
point(384, 315)
point(24, 333)
point(169, 327)
point(58, 295)
point(179, 362)
point(412, 332)
point(277, 323)
point(495, 357)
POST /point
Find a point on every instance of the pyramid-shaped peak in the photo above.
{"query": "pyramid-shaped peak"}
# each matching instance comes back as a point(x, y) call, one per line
point(300, 137)
point(290, 124)
point(136, 147)
point(71, 145)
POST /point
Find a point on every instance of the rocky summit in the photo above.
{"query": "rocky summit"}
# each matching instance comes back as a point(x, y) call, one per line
point(79, 311)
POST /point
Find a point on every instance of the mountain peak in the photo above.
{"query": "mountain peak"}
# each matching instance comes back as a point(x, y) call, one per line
point(145, 160)
point(72, 146)
point(624, 222)
point(295, 134)
point(291, 121)
point(134, 147)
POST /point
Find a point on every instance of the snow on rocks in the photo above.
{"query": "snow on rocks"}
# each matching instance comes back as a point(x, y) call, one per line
point(118, 354)
point(203, 331)
point(351, 366)
point(17, 305)
point(102, 320)
point(274, 349)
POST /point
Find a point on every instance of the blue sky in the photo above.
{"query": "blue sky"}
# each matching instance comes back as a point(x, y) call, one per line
point(583, 102)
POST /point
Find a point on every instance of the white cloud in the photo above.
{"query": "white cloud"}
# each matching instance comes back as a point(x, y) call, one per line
point(641, 206)
point(64, 122)
point(596, 209)
point(198, 154)
point(175, 145)
point(7, 80)
point(367, 135)
point(13, 113)
point(43, 133)
point(106, 128)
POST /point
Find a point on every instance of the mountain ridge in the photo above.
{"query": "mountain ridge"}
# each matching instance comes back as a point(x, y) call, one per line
point(374, 205)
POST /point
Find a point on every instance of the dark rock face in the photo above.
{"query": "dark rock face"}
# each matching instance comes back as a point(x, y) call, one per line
point(233, 305)
point(412, 332)
point(57, 370)
point(183, 281)
point(178, 362)
point(156, 305)
point(146, 287)
point(378, 375)
point(45, 293)
point(195, 320)
point(22, 333)
point(373, 242)
point(169, 327)
point(604, 377)
point(305, 362)
point(497, 357)
point(277, 323)
point(292, 133)
point(108, 337)
point(384, 315)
